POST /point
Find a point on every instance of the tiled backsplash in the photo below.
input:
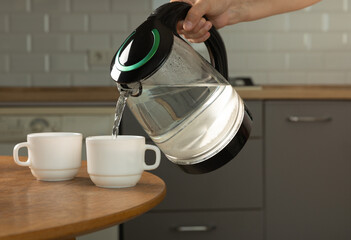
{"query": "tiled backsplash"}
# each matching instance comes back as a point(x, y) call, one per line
point(70, 42)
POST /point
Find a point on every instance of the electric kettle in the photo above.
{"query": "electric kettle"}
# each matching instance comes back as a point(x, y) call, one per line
point(186, 105)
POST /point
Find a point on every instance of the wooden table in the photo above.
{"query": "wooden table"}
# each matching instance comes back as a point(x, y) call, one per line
point(32, 209)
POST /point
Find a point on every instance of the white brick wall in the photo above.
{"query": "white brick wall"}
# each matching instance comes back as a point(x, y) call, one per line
point(52, 6)
point(27, 63)
point(13, 6)
point(27, 23)
point(311, 46)
point(109, 22)
point(92, 79)
point(43, 43)
point(68, 23)
point(92, 6)
point(15, 80)
point(338, 61)
point(3, 63)
point(70, 62)
point(49, 79)
point(86, 41)
point(13, 43)
point(48, 42)
point(305, 21)
point(3, 23)
point(131, 6)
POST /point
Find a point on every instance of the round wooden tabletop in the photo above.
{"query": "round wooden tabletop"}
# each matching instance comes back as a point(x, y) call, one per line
point(32, 209)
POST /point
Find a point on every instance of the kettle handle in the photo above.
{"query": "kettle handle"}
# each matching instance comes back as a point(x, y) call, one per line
point(171, 13)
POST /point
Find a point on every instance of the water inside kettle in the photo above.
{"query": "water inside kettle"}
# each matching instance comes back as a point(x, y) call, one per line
point(189, 122)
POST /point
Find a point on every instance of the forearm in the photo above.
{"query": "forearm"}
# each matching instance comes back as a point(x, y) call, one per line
point(257, 9)
point(221, 13)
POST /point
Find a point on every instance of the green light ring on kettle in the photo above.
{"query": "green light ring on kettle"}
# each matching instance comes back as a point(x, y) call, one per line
point(153, 50)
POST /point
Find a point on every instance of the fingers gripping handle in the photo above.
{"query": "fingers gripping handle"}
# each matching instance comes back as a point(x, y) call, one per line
point(171, 13)
point(15, 154)
point(157, 158)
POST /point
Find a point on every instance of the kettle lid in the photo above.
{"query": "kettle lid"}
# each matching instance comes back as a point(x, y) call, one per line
point(142, 53)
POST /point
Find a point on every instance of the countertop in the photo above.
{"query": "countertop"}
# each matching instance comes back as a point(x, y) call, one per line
point(110, 94)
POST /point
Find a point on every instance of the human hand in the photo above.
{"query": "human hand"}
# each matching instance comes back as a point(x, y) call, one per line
point(226, 12)
point(219, 14)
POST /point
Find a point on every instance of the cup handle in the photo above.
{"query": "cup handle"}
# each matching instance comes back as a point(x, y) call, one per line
point(15, 154)
point(157, 159)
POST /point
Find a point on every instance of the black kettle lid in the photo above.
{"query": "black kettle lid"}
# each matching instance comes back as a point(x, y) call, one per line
point(142, 53)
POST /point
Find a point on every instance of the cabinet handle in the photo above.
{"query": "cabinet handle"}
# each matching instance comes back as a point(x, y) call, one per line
point(199, 228)
point(307, 119)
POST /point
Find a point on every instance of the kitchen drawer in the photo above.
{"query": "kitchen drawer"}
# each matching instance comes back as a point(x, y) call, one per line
point(130, 126)
point(223, 225)
point(238, 184)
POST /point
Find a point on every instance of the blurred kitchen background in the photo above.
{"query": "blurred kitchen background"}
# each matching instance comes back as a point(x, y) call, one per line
point(304, 194)
point(71, 42)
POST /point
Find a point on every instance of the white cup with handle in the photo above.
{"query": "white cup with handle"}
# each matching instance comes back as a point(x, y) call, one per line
point(52, 156)
point(118, 162)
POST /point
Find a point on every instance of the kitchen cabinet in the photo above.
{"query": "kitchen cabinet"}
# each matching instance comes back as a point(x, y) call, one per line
point(308, 170)
point(218, 205)
point(291, 181)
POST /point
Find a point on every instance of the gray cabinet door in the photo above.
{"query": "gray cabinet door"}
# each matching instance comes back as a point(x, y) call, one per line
point(238, 184)
point(308, 170)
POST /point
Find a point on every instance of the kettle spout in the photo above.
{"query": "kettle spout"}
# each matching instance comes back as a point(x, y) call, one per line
point(134, 89)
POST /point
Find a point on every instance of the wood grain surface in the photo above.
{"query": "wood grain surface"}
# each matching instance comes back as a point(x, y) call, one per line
point(312, 92)
point(110, 94)
point(32, 209)
point(58, 94)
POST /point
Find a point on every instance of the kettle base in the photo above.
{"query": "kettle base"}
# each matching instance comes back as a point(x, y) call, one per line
point(227, 153)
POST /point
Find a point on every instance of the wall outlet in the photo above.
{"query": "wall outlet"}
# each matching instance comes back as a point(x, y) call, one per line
point(100, 57)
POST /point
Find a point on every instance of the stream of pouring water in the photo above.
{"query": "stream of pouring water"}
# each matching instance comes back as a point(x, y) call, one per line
point(121, 103)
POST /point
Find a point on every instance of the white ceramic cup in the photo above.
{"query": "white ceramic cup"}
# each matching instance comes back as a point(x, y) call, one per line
point(52, 156)
point(118, 162)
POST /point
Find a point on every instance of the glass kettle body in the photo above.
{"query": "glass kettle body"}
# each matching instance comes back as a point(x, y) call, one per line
point(184, 104)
